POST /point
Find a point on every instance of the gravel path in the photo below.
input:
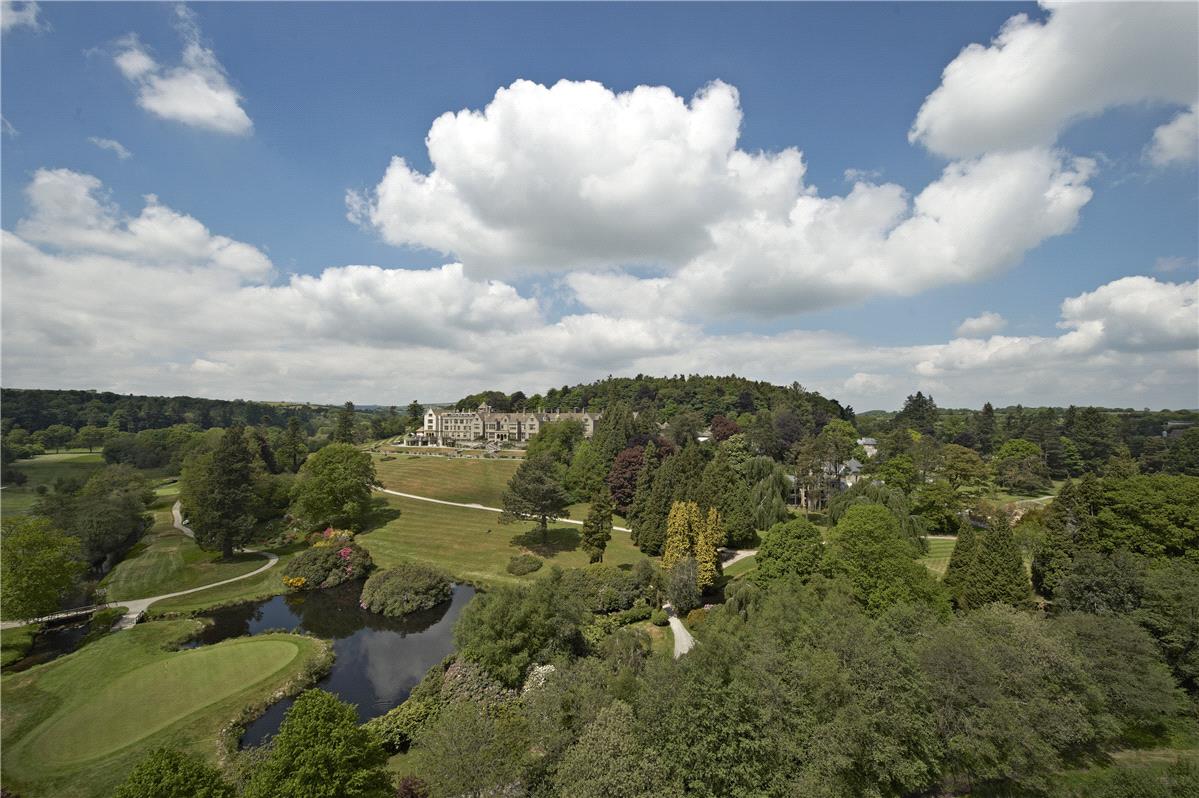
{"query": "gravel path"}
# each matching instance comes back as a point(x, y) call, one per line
point(683, 641)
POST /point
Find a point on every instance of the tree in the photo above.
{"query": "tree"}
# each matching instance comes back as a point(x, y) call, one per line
point(962, 467)
point(677, 479)
point(416, 415)
point(707, 561)
point(790, 549)
point(613, 432)
point(108, 514)
point(723, 428)
point(961, 563)
point(334, 487)
point(344, 431)
point(868, 547)
point(1019, 466)
point(167, 773)
point(919, 413)
point(769, 488)
point(607, 761)
point(294, 448)
point(1101, 584)
point(1094, 433)
point(997, 572)
point(639, 507)
point(622, 478)
point(597, 528)
point(557, 441)
point(40, 566)
point(535, 493)
point(218, 493)
point(1170, 611)
point(682, 585)
point(509, 629)
point(56, 436)
point(898, 472)
point(984, 429)
point(682, 528)
point(939, 504)
point(89, 437)
point(586, 473)
point(725, 490)
point(474, 750)
point(322, 752)
point(1182, 456)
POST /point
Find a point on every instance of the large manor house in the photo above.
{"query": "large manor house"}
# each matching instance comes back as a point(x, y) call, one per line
point(448, 427)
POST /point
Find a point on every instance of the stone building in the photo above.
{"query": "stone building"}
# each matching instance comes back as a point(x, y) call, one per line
point(448, 427)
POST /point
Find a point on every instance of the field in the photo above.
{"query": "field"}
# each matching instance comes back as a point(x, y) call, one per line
point(472, 545)
point(742, 567)
point(166, 561)
point(73, 727)
point(453, 480)
point(15, 643)
point(939, 550)
point(44, 470)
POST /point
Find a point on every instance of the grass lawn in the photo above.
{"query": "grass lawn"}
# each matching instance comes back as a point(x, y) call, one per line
point(266, 584)
point(742, 567)
point(454, 480)
point(166, 560)
point(75, 726)
point(15, 643)
point(472, 545)
point(939, 551)
point(44, 470)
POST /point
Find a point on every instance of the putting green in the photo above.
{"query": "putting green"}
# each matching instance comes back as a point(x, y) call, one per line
point(153, 697)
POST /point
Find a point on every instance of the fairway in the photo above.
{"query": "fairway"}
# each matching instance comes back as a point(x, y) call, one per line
point(44, 470)
point(939, 551)
point(467, 480)
point(167, 561)
point(473, 546)
point(74, 726)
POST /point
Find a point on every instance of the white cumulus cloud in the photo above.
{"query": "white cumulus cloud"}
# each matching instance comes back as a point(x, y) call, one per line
point(195, 93)
point(1177, 141)
point(986, 323)
point(20, 15)
point(1037, 78)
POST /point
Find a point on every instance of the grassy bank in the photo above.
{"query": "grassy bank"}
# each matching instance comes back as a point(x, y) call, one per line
point(472, 545)
point(15, 643)
point(44, 470)
point(939, 551)
point(75, 726)
point(454, 480)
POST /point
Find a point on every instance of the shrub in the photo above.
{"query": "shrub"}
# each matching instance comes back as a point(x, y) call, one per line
point(603, 588)
point(659, 618)
point(325, 566)
point(696, 617)
point(166, 773)
point(396, 728)
point(523, 564)
point(406, 588)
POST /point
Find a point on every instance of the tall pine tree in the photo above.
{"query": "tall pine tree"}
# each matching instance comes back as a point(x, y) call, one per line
point(961, 561)
point(597, 527)
point(725, 490)
point(218, 493)
point(344, 431)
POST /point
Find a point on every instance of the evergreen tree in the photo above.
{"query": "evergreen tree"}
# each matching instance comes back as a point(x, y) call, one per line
point(707, 561)
point(984, 429)
point(597, 528)
point(535, 493)
point(677, 479)
point(919, 413)
point(961, 561)
point(1071, 460)
point(586, 472)
point(344, 431)
point(613, 433)
point(683, 527)
point(416, 415)
point(722, 488)
point(218, 493)
point(997, 572)
point(294, 448)
point(639, 505)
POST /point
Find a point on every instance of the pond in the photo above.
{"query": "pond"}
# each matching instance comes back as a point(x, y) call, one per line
point(51, 642)
point(378, 660)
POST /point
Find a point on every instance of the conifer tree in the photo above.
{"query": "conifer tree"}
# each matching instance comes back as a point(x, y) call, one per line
point(639, 506)
point(722, 488)
point(535, 494)
point(677, 479)
point(344, 431)
point(586, 472)
point(597, 528)
point(960, 562)
point(218, 493)
point(707, 562)
point(682, 527)
point(613, 432)
point(997, 574)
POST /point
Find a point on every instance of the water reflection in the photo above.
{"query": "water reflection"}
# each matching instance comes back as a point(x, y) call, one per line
point(378, 660)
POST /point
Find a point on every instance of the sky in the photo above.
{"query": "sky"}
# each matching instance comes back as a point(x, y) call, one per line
point(383, 202)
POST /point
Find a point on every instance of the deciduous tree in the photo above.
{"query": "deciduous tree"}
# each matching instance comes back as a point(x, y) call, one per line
point(334, 487)
point(39, 564)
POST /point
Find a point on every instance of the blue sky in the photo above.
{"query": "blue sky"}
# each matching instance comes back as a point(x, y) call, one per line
point(330, 93)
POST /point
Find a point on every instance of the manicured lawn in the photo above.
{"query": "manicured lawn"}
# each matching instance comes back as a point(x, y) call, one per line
point(455, 480)
point(15, 643)
point(474, 546)
point(166, 561)
point(742, 567)
point(939, 550)
point(75, 726)
point(44, 470)
point(266, 584)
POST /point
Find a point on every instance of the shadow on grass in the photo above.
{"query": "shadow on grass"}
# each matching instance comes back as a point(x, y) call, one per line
point(557, 539)
point(381, 514)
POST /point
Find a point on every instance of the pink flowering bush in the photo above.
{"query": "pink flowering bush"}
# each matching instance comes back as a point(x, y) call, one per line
point(325, 566)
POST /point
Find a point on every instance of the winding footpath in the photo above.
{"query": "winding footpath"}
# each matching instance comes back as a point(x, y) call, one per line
point(137, 607)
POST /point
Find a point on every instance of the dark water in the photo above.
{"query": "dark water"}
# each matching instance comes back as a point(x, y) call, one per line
point(378, 660)
point(52, 642)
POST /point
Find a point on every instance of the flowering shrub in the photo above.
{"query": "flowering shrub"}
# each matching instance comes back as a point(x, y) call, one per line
point(323, 566)
point(331, 537)
point(406, 588)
